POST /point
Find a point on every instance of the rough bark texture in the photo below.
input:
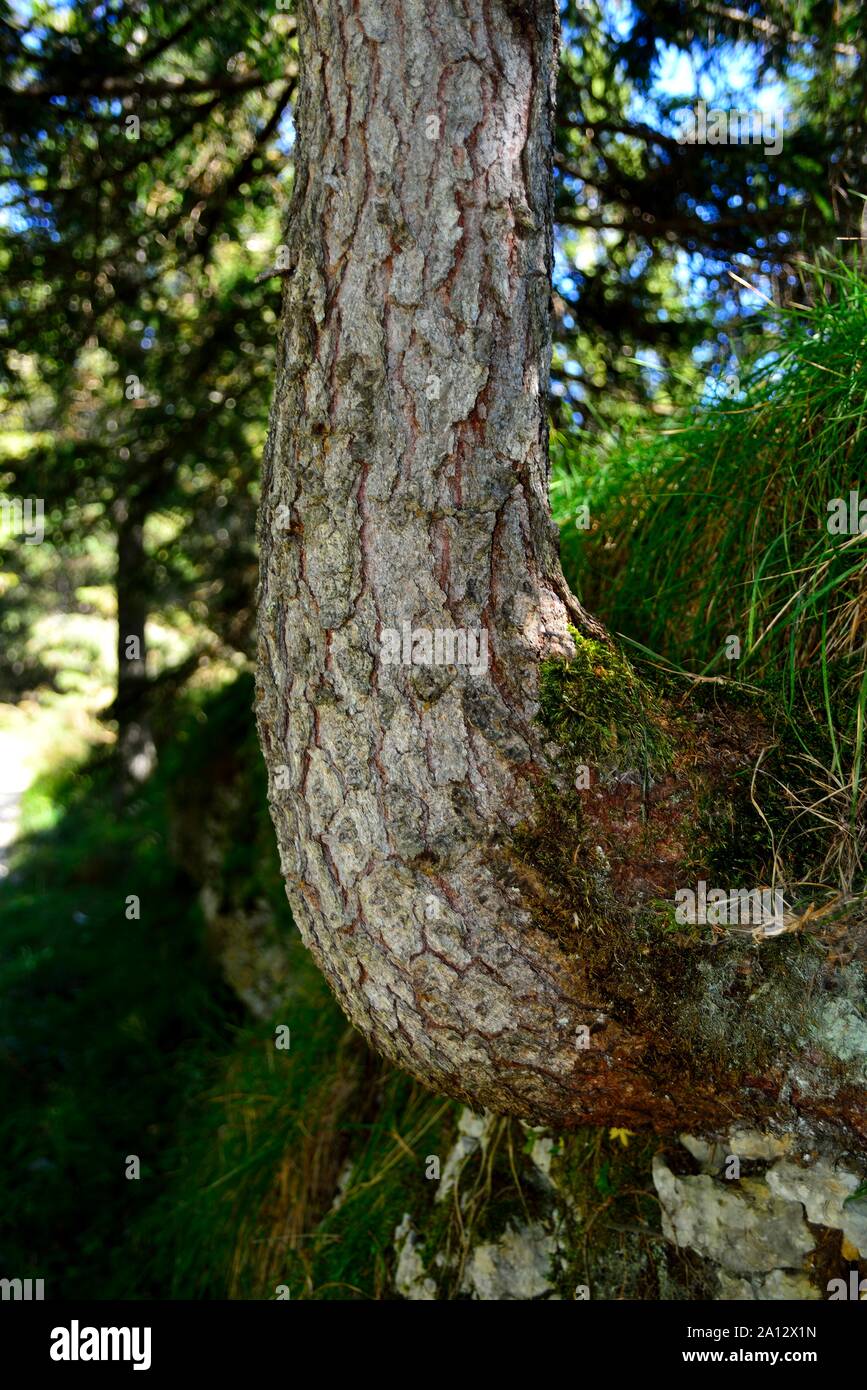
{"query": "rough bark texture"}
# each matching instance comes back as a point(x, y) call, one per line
point(406, 482)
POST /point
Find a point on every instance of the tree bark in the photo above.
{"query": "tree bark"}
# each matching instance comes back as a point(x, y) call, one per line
point(406, 482)
point(135, 746)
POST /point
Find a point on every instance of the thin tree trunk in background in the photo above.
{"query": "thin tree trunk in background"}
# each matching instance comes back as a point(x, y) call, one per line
point(136, 752)
point(406, 483)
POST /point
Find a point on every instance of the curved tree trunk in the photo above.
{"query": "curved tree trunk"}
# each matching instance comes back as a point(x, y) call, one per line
point(406, 484)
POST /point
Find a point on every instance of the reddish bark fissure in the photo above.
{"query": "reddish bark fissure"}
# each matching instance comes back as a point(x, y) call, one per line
point(406, 482)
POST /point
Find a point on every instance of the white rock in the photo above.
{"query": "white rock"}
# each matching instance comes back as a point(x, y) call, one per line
point(411, 1280)
point(743, 1227)
point(823, 1191)
point(517, 1266)
point(473, 1131)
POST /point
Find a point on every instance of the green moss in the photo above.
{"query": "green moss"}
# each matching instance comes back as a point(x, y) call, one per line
point(550, 858)
point(703, 1003)
point(607, 719)
point(600, 711)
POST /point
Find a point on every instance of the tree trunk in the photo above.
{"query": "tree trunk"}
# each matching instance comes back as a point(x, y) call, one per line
point(135, 746)
point(416, 801)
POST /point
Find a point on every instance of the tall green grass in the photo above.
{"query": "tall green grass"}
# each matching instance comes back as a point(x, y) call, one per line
point(717, 527)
